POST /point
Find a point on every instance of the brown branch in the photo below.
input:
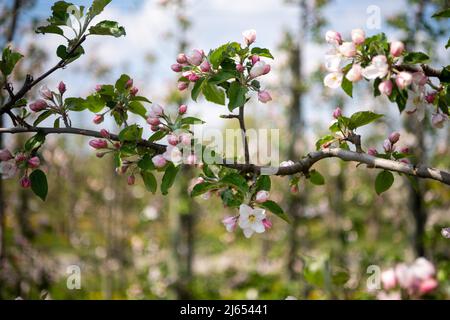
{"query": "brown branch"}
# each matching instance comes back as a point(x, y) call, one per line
point(244, 134)
point(301, 166)
point(426, 69)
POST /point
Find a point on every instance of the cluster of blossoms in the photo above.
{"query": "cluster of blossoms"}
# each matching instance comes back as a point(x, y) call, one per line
point(409, 281)
point(51, 102)
point(195, 66)
point(354, 61)
point(389, 146)
point(250, 220)
point(11, 164)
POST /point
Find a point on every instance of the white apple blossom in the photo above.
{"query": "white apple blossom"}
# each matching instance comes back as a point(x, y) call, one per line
point(251, 220)
point(173, 154)
point(378, 68)
point(8, 169)
point(333, 80)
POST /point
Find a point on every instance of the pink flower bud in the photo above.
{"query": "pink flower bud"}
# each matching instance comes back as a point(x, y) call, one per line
point(38, 105)
point(404, 150)
point(387, 146)
point(185, 139)
point(133, 91)
point(389, 279)
point(181, 58)
point(397, 48)
point(159, 161)
point(98, 118)
point(267, 223)
point(403, 79)
point(20, 157)
point(264, 96)
point(438, 120)
point(372, 151)
point(262, 196)
point(249, 36)
point(153, 121)
point(240, 68)
point(193, 77)
point(129, 84)
point(294, 189)
point(205, 66)
point(347, 49)
point(156, 111)
point(154, 128)
point(358, 36)
point(355, 73)
point(195, 57)
point(105, 134)
point(385, 87)
point(230, 223)
point(337, 113)
point(172, 139)
point(255, 58)
point(98, 88)
point(117, 145)
point(427, 285)
point(131, 180)
point(98, 143)
point(5, 155)
point(34, 162)
point(25, 182)
point(191, 159)
point(45, 93)
point(258, 69)
point(62, 87)
point(266, 69)
point(333, 37)
point(430, 97)
point(394, 137)
point(176, 67)
point(182, 109)
point(182, 85)
point(419, 78)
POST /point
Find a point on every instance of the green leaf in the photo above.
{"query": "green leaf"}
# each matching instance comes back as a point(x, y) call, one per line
point(323, 140)
point(158, 135)
point(316, 178)
point(97, 7)
point(149, 181)
point(94, 103)
point(263, 183)
point(235, 180)
point(75, 104)
point(221, 76)
point(140, 98)
point(362, 118)
point(50, 29)
point(276, 209)
point(236, 95)
point(44, 115)
point(60, 13)
point(191, 120)
point(107, 28)
point(169, 178)
point(230, 199)
point(39, 184)
point(146, 163)
point(415, 57)
point(448, 44)
point(9, 61)
point(216, 56)
point(202, 188)
point(131, 133)
point(121, 82)
point(262, 52)
point(137, 108)
point(213, 94)
point(442, 14)
point(197, 88)
point(62, 53)
point(56, 123)
point(347, 86)
point(35, 141)
point(384, 181)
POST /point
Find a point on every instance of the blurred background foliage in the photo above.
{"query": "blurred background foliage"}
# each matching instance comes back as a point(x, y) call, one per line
point(131, 244)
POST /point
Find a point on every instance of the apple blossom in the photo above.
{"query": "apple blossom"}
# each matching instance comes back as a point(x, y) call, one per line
point(182, 109)
point(182, 85)
point(25, 182)
point(337, 113)
point(430, 97)
point(98, 87)
point(154, 128)
point(255, 58)
point(181, 58)
point(385, 87)
point(98, 118)
point(5, 155)
point(129, 84)
point(105, 134)
point(34, 162)
point(389, 279)
point(172, 139)
point(264, 96)
point(38, 105)
point(333, 80)
point(62, 87)
point(153, 121)
point(427, 286)
point(20, 157)
point(46, 93)
point(333, 37)
point(159, 161)
point(249, 36)
point(193, 77)
point(191, 159)
point(423, 269)
point(173, 154)
point(262, 196)
point(133, 91)
point(98, 143)
point(205, 66)
point(259, 68)
point(176, 67)
point(131, 180)
point(394, 137)
point(378, 68)
point(240, 68)
point(445, 232)
point(267, 223)
point(358, 36)
point(404, 150)
point(397, 48)
point(403, 80)
point(347, 49)
point(419, 78)
point(185, 139)
point(250, 220)
point(387, 146)
point(438, 120)
point(8, 169)
point(230, 223)
point(355, 73)
point(156, 111)
point(372, 151)
point(195, 57)
point(333, 61)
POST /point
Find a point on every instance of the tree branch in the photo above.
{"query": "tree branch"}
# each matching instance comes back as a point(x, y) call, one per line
point(303, 165)
point(426, 69)
point(244, 134)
